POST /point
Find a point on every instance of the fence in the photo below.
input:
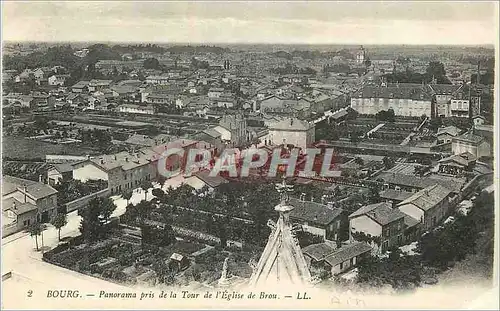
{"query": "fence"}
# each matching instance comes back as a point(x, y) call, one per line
point(82, 202)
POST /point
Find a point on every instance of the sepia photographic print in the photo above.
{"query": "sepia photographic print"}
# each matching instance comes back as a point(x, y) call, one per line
point(249, 155)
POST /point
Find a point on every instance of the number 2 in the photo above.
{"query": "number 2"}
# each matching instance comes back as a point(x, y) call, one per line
point(30, 293)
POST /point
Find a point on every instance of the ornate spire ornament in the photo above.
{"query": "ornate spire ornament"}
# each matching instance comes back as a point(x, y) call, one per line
point(284, 189)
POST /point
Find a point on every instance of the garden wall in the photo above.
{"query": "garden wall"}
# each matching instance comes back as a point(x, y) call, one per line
point(81, 202)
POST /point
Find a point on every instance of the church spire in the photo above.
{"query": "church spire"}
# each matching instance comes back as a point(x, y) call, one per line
point(282, 261)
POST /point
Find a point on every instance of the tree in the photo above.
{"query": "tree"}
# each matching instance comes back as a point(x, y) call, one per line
point(354, 136)
point(436, 70)
point(143, 211)
point(435, 123)
point(146, 185)
point(151, 63)
point(374, 195)
point(359, 161)
point(95, 218)
point(35, 230)
point(59, 221)
point(388, 162)
point(386, 115)
point(160, 194)
point(127, 195)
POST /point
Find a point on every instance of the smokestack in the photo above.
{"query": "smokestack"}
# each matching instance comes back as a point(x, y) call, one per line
point(478, 72)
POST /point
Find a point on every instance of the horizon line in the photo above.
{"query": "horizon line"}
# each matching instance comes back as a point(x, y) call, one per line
point(490, 45)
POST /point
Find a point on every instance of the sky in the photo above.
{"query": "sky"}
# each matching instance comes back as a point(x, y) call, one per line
point(404, 22)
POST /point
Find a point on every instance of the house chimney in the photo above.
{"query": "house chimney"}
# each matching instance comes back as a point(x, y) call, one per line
point(40, 179)
point(14, 207)
point(291, 121)
point(102, 161)
point(302, 196)
point(312, 199)
point(126, 159)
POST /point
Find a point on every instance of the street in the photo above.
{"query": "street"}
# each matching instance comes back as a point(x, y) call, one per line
point(20, 257)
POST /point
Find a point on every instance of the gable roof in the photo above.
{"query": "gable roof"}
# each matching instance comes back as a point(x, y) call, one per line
point(347, 252)
point(35, 189)
point(428, 197)
point(318, 251)
point(63, 167)
point(313, 212)
point(382, 213)
point(212, 133)
point(462, 159)
point(451, 130)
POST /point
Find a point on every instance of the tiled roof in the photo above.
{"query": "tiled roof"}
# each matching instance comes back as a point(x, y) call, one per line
point(313, 212)
point(212, 132)
point(469, 137)
point(35, 189)
point(444, 89)
point(454, 184)
point(63, 167)
point(410, 221)
point(318, 251)
point(396, 195)
point(291, 124)
point(396, 92)
point(382, 213)
point(81, 84)
point(17, 207)
point(428, 197)
point(347, 252)
point(452, 130)
point(462, 159)
point(213, 182)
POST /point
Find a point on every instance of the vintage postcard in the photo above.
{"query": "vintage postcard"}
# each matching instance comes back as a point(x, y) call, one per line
point(249, 155)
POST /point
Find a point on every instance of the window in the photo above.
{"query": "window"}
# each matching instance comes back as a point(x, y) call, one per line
point(386, 232)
